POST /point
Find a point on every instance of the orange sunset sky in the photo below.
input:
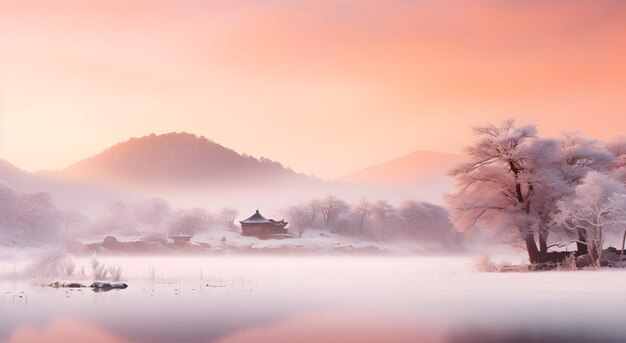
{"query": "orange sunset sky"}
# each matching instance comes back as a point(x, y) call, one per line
point(325, 87)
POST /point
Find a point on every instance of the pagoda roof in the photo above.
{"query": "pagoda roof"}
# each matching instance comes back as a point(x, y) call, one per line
point(256, 218)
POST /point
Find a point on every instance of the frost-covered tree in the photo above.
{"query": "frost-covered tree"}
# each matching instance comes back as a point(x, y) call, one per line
point(74, 221)
point(381, 210)
point(428, 223)
point(413, 220)
point(617, 168)
point(313, 209)
point(118, 217)
point(228, 216)
point(38, 214)
point(152, 212)
point(363, 212)
point(509, 178)
point(598, 205)
point(27, 218)
point(333, 211)
point(189, 221)
point(301, 217)
point(579, 156)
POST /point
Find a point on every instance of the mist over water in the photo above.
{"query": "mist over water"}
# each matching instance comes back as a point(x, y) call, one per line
point(314, 299)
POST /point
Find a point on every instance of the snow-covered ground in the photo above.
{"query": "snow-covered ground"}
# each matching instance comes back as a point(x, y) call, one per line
point(313, 241)
point(223, 240)
point(313, 299)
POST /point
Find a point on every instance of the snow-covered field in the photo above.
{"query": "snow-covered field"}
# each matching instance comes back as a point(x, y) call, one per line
point(317, 299)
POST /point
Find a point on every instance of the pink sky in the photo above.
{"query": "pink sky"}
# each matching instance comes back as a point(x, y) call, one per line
point(325, 87)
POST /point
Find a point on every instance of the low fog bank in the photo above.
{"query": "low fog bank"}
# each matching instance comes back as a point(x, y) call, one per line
point(140, 225)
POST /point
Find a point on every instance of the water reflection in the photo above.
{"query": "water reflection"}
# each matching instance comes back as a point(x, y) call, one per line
point(103, 290)
point(336, 326)
point(317, 300)
point(63, 330)
point(314, 327)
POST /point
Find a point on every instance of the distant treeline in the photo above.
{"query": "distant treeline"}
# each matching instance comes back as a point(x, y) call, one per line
point(33, 218)
point(377, 220)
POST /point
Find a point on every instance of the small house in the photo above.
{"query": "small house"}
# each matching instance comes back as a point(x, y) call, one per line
point(180, 239)
point(259, 226)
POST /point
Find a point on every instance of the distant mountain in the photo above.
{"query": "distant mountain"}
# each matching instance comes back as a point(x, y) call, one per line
point(178, 161)
point(413, 168)
point(418, 175)
point(190, 170)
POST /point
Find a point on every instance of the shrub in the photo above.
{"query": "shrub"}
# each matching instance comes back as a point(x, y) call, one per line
point(484, 264)
point(50, 264)
point(68, 268)
point(115, 272)
point(99, 270)
point(151, 273)
point(569, 263)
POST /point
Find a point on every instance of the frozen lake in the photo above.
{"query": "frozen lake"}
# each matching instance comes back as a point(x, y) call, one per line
point(319, 299)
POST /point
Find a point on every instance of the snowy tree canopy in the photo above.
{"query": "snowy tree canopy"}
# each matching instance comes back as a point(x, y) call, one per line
point(510, 176)
point(597, 206)
point(514, 179)
point(617, 169)
point(27, 218)
point(189, 221)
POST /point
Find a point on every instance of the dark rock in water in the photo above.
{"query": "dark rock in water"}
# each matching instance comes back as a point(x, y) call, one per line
point(107, 286)
point(58, 284)
point(101, 290)
point(583, 261)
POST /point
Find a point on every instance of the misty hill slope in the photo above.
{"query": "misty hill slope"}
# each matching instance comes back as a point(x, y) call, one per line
point(178, 160)
point(14, 175)
point(418, 175)
point(413, 168)
point(65, 192)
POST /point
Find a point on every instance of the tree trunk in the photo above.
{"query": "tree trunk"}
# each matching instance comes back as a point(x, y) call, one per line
point(621, 253)
point(533, 252)
point(581, 247)
point(362, 222)
point(543, 246)
point(600, 245)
